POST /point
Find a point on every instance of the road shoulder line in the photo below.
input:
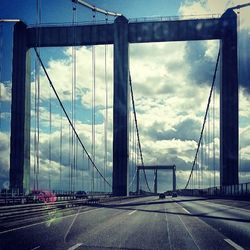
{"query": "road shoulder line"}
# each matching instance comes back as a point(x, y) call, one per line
point(75, 246)
point(132, 212)
point(233, 244)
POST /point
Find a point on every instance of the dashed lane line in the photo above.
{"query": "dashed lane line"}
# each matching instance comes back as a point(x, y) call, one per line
point(185, 210)
point(69, 228)
point(233, 244)
point(132, 212)
point(36, 248)
point(75, 246)
point(45, 222)
point(166, 218)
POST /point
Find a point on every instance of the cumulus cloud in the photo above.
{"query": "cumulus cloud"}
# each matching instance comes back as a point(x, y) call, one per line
point(210, 7)
point(4, 157)
point(5, 92)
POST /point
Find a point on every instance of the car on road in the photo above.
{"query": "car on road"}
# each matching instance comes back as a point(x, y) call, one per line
point(174, 194)
point(81, 195)
point(162, 196)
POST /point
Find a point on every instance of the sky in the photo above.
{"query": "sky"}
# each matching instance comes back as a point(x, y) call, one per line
point(171, 84)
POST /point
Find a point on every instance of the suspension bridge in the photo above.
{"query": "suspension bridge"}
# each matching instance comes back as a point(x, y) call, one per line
point(121, 33)
point(122, 171)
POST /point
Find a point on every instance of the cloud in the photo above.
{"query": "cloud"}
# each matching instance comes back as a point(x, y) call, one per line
point(209, 49)
point(5, 92)
point(4, 158)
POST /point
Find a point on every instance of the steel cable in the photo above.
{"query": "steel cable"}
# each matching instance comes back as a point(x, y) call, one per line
point(68, 118)
point(137, 131)
point(205, 118)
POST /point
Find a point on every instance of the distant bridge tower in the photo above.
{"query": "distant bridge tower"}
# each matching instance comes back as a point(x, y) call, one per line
point(155, 168)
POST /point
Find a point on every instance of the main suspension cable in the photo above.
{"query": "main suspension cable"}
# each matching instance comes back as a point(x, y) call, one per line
point(205, 118)
point(137, 131)
point(94, 8)
point(68, 118)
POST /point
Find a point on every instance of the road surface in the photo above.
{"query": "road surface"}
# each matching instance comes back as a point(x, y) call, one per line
point(142, 223)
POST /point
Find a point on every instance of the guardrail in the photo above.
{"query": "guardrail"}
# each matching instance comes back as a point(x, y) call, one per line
point(12, 199)
point(24, 213)
point(240, 190)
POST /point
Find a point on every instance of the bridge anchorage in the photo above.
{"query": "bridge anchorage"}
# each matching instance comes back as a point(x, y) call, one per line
point(121, 33)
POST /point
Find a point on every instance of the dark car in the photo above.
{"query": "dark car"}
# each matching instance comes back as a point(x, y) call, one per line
point(174, 194)
point(81, 195)
point(162, 196)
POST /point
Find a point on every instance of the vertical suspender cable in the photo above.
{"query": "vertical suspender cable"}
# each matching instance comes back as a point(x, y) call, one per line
point(93, 108)
point(106, 115)
point(73, 95)
point(196, 173)
point(50, 134)
point(135, 152)
point(90, 177)
point(1, 58)
point(76, 163)
point(60, 153)
point(214, 92)
point(35, 120)
point(202, 160)
point(239, 66)
point(205, 154)
point(69, 157)
point(69, 120)
point(83, 158)
point(208, 147)
point(37, 99)
point(35, 133)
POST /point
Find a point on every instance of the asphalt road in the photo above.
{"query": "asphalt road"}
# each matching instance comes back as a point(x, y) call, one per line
point(143, 223)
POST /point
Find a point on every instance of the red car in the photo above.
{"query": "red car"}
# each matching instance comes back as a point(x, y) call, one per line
point(42, 196)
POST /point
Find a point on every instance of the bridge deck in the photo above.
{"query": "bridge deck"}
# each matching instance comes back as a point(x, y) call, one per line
point(144, 223)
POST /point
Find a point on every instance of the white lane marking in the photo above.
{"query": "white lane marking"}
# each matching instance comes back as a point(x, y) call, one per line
point(233, 244)
point(44, 222)
point(132, 212)
point(73, 221)
point(168, 231)
point(75, 246)
point(188, 231)
point(185, 209)
point(36, 248)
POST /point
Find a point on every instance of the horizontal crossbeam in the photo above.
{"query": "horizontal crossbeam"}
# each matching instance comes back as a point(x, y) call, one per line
point(138, 32)
point(154, 167)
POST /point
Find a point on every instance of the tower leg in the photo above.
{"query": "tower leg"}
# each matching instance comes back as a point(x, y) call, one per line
point(229, 107)
point(120, 115)
point(20, 113)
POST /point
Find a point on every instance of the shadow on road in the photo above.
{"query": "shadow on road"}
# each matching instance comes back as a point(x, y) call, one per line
point(131, 207)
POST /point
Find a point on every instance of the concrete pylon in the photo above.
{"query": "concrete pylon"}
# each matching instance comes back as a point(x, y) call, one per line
point(120, 115)
point(229, 103)
point(20, 113)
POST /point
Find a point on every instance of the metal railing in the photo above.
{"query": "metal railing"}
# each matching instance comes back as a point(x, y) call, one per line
point(240, 190)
